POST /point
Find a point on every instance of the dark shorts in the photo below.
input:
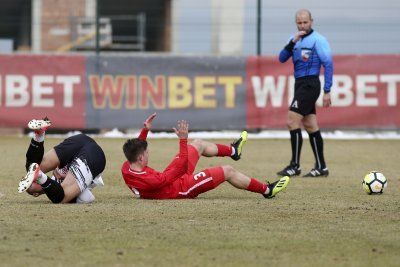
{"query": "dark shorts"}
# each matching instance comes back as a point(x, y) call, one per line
point(306, 92)
point(84, 148)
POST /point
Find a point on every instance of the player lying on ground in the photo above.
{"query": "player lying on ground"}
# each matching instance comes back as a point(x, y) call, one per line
point(77, 163)
point(178, 181)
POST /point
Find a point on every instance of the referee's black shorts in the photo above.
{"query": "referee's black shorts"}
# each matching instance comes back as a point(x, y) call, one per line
point(306, 92)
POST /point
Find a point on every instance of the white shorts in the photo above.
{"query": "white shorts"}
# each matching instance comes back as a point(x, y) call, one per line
point(82, 173)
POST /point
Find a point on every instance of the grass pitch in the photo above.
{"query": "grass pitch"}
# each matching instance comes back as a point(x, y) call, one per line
point(315, 222)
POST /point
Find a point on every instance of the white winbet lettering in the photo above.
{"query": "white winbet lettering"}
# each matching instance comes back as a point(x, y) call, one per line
point(40, 89)
point(270, 90)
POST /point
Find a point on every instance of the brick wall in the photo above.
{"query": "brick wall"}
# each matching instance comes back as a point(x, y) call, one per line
point(56, 22)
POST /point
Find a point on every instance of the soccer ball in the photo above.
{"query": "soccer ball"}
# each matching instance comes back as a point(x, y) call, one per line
point(374, 183)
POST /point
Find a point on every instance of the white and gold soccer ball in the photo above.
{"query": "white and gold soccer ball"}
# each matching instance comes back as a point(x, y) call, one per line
point(374, 183)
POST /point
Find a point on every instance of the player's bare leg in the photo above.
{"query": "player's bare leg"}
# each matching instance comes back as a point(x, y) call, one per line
point(70, 187)
point(209, 149)
point(205, 148)
point(50, 161)
point(236, 178)
point(241, 181)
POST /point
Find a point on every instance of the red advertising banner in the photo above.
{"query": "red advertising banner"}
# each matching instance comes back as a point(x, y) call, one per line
point(33, 86)
point(365, 92)
point(218, 93)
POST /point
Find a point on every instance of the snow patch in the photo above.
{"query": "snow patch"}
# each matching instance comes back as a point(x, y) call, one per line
point(272, 134)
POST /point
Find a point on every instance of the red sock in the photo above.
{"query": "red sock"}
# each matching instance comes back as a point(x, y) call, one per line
point(256, 186)
point(224, 150)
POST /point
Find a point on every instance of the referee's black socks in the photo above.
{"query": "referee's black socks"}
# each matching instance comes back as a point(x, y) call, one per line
point(296, 140)
point(317, 145)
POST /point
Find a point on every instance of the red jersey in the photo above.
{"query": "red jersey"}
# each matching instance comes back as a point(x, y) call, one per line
point(152, 184)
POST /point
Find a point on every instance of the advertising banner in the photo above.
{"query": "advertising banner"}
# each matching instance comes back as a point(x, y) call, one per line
point(33, 86)
point(209, 92)
point(212, 93)
point(365, 92)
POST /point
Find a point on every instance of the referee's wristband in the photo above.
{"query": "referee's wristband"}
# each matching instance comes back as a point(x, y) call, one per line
point(289, 47)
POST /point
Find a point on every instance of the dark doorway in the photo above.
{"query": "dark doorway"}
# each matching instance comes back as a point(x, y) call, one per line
point(145, 22)
point(15, 23)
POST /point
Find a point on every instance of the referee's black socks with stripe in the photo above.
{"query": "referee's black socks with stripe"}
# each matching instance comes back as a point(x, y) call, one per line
point(317, 145)
point(296, 140)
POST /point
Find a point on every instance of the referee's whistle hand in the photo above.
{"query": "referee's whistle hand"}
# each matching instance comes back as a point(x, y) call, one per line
point(298, 35)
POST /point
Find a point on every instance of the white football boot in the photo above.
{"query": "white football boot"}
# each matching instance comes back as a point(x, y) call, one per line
point(30, 177)
point(39, 125)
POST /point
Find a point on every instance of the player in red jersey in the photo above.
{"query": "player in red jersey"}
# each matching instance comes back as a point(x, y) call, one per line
point(178, 180)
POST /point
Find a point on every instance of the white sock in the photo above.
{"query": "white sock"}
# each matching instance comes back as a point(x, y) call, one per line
point(267, 191)
point(233, 151)
point(42, 178)
point(39, 137)
point(97, 181)
point(85, 197)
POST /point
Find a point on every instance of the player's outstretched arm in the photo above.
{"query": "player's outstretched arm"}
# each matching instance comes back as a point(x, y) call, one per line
point(147, 126)
point(148, 122)
point(182, 130)
point(181, 164)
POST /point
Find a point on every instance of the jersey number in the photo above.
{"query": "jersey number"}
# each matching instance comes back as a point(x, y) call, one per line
point(135, 192)
point(199, 175)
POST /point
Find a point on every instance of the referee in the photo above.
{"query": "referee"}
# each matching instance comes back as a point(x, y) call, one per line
point(309, 50)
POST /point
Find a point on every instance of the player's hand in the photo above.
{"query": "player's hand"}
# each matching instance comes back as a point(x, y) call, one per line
point(182, 130)
point(297, 36)
point(327, 100)
point(148, 122)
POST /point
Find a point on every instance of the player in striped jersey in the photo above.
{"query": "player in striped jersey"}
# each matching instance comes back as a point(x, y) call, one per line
point(77, 163)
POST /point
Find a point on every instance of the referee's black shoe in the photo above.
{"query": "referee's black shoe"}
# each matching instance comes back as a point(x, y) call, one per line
point(290, 170)
point(317, 173)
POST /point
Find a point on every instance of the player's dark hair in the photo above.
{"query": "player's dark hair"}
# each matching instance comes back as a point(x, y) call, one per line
point(133, 148)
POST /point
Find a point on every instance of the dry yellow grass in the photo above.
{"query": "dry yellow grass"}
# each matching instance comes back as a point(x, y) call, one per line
point(316, 222)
